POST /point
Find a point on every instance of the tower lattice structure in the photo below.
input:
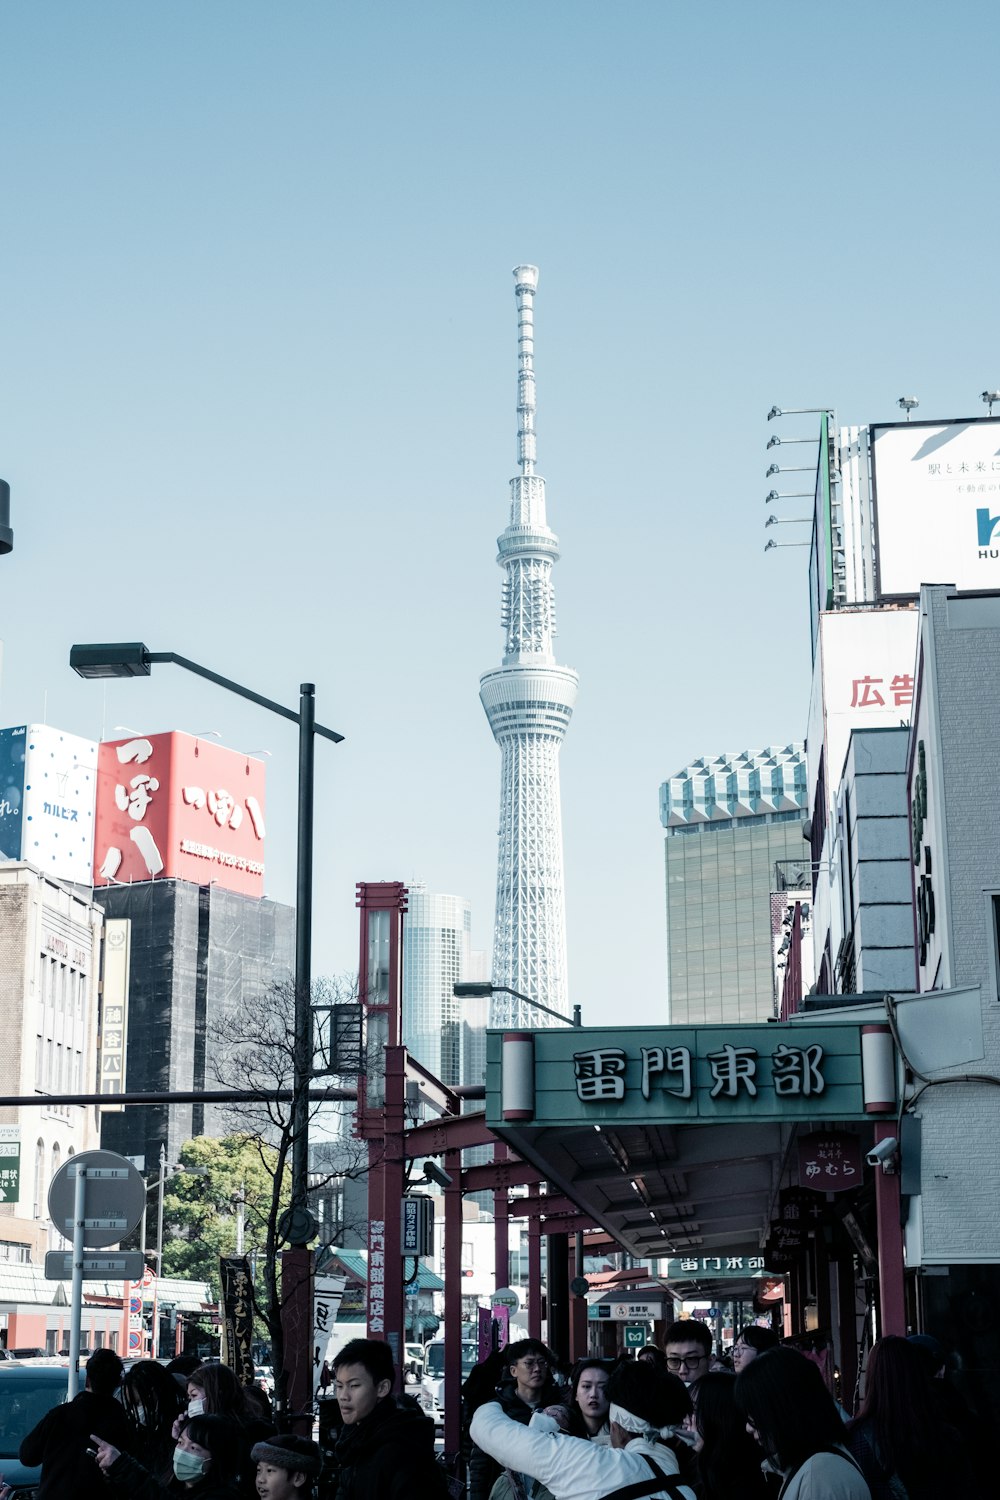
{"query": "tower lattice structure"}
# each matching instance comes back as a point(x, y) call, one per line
point(528, 702)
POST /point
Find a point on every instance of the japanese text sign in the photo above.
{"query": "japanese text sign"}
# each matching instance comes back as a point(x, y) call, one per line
point(722, 1267)
point(829, 1162)
point(179, 807)
point(639, 1075)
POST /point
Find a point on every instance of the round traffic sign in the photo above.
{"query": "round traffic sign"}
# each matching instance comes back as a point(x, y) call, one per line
point(118, 1199)
point(135, 1340)
point(506, 1296)
point(713, 1312)
point(579, 1286)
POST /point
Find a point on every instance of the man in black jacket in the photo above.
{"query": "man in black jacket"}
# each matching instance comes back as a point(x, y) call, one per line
point(527, 1388)
point(385, 1450)
point(60, 1441)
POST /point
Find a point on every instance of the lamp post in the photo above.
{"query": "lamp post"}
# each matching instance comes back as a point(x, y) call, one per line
point(482, 989)
point(133, 659)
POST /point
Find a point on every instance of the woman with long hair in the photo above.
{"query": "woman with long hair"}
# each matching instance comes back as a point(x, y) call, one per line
point(153, 1400)
point(584, 1413)
point(728, 1457)
point(898, 1438)
point(791, 1414)
point(215, 1391)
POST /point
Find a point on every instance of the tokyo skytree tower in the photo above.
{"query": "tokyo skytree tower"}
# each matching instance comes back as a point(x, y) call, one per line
point(529, 701)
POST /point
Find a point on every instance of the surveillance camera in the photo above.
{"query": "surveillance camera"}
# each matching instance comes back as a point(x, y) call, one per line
point(884, 1154)
point(436, 1174)
point(774, 412)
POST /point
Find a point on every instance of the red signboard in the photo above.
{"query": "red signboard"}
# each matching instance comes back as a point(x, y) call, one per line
point(829, 1161)
point(172, 806)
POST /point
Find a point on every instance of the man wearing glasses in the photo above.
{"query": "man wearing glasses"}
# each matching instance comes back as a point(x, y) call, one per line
point(526, 1384)
point(688, 1347)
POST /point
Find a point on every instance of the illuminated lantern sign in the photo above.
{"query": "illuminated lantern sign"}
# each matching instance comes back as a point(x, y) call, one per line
point(174, 807)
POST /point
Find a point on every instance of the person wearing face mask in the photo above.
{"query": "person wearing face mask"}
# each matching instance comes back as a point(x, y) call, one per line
point(205, 1464)
point(213, 1390)
point(153, 1400)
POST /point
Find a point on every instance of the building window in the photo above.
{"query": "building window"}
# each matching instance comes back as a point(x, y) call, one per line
point(994, 912)
point(39, 1177)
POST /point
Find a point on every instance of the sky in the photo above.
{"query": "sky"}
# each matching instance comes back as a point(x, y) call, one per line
point(258, 378)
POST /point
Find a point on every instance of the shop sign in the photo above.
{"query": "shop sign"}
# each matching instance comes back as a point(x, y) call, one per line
point(829, 1161)
point(712, 1267)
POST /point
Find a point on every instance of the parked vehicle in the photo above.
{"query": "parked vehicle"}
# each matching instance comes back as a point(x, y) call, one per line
point(27, 1392)
point(433, 1381)
point(413, 1363)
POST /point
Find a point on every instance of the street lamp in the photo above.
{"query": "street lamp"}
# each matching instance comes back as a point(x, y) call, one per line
point(133, 659)
point(482, 989)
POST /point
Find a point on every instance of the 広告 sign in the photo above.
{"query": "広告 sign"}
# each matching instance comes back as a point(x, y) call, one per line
point(678, 1074)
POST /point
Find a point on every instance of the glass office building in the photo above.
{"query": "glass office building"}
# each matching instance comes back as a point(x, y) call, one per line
point(728, 822)
point(436, 952)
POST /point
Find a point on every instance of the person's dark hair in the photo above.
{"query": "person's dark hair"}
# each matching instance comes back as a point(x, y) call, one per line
point(653, 1356)
point(899, 1414)
point(148, 1386)
point(785, 1397)
point(757, 1337)
point(518, 1350)
point(729, 1462)
point(689, 1330)
point(661, 1399)
point(373, 1354)
point(224, 1396)
point(568, 1413)
point(223, 1438)
point(104, 1372)
point(183, 1365)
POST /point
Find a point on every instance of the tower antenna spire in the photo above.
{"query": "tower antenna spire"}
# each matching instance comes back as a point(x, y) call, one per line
point(529, 702)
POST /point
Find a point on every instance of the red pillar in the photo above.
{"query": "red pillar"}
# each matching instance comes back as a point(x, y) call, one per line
point(453, 1302)
point(297, 1325)
point(534, 1263)
point(501, 1224)
point(892, 1302)
point(393, 1182)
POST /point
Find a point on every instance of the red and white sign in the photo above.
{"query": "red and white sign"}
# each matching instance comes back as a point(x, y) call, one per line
point(829, 1161)
point(172, 806)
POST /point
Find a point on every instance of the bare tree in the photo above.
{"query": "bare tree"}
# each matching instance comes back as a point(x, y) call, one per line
point(252, 1049)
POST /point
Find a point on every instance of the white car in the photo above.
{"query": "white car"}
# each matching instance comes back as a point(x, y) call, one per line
point(265, 1376)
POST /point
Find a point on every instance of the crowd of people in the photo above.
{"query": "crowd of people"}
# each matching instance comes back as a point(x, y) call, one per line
point(673, 1423)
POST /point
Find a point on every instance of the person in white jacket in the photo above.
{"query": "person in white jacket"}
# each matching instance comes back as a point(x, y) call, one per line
point(646, 1408)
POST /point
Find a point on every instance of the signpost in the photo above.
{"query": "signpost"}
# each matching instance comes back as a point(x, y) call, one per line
point(635, 1337)
point(10, 1163)
point(95, 1199)
point(506, 1296)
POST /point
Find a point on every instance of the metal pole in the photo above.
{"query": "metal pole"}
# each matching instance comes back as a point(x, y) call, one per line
point(159, 1210)
point(76, 1294)
point(303, 1049)
point(240, 1201)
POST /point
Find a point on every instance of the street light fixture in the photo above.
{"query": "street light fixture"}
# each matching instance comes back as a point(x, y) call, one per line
point(133, 659)
point(482, 989)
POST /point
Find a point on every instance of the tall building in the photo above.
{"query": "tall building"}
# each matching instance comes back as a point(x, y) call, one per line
point(436, 946)
point(198, 953)
point(728, 822)
point(528, 702)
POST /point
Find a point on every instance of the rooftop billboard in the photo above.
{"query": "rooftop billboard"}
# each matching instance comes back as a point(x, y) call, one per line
point(175, 806)
point(936, 491)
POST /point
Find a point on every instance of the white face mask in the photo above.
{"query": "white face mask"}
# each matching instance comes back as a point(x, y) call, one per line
point(139, 1412)
point(196, 1406)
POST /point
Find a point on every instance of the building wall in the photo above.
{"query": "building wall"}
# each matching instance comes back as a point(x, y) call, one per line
point(873, 872)
point(958, 725)
point(197, 953)
point(49, 966)
point(719, 943)
point(436, 953)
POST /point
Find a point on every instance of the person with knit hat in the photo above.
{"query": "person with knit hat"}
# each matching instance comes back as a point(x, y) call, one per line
point(287, 1466)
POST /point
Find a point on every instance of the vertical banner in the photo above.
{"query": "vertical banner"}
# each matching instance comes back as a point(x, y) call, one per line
point(10, 1163)
point(114, 1008)
point(12, 743)
point(328, 1292)
point(237, 1315)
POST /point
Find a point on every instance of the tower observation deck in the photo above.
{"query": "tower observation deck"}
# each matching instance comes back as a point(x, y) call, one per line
point(529, 701)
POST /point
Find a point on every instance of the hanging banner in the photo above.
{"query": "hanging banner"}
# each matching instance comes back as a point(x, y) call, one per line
point(237, 1316)
point(328, 1293)
point(829, 1161)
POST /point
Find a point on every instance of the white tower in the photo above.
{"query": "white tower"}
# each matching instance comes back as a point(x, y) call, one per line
point(529, 701)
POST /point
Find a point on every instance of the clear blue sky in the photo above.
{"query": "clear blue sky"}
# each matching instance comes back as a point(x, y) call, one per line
point(257, 382)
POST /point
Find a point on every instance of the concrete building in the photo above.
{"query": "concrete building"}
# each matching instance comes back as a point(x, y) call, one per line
point(436, 953)
point(50, 951)
point(729, 821)
point(197, 953)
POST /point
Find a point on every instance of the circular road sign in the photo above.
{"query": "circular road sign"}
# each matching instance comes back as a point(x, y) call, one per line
point(120, 1199)
point(579, 1286)
point(713, 1312)
point(506, 1297)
